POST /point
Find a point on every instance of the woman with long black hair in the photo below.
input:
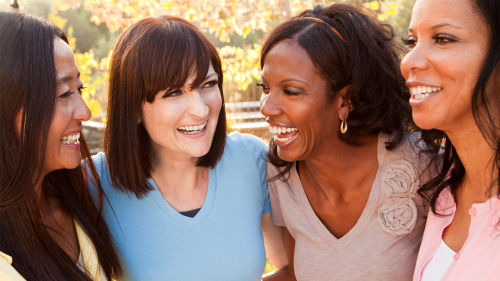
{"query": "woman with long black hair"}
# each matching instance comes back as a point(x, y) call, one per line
point(452, 70)
point(50, 228)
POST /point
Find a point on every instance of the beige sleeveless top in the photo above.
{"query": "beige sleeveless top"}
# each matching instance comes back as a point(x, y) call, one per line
point(384, 243)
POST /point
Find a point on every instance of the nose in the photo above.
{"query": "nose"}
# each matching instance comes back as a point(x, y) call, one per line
point(82, 111)
point(414, 60)
point(197, 106)
point(270, 104)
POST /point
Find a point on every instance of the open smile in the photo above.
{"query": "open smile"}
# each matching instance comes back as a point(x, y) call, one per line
point(71, 139)
point(283, 135)
point(422, 92)
point(191, 130)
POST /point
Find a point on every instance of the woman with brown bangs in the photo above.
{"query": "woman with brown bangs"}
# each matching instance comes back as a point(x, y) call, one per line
point(191, 202)
point(50, 228)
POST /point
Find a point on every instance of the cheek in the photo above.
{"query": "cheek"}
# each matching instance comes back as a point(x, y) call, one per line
point(214, 102)
point(60, 121)
point(158, 118)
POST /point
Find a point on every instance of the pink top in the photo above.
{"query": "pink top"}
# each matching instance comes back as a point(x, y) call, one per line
point(479, 258)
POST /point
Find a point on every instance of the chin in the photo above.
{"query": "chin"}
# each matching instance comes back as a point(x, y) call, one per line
point(423, 122)
point(288, 157)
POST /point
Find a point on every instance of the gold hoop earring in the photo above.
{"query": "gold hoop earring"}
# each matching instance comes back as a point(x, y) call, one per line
point(343, 127)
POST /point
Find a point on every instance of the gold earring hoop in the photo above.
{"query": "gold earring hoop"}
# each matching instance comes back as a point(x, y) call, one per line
point(343, 127)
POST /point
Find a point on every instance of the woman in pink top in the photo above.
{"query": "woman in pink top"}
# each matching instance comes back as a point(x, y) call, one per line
point(452, 70)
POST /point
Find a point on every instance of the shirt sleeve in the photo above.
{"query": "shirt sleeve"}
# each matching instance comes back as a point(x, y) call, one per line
point(258, 148)
point(276, 214)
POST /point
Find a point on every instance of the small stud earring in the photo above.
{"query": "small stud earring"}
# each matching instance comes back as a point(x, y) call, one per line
point(343, 127)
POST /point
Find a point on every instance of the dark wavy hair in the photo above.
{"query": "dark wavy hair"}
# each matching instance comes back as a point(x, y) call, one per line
point(368, 62)
point(28, 86)
point(152, 55)
point(483, 103)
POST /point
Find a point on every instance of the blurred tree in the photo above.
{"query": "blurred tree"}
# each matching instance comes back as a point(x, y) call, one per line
point(88, 34)
point(225, 21)
point(236, 27)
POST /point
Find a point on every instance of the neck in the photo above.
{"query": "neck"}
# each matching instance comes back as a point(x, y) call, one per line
point(177, 174)
point(477, 158)
point(342, 166)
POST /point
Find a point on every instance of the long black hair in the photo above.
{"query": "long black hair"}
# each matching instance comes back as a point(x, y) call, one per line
point(368, 61)
point(27, 88)
point(483, 103)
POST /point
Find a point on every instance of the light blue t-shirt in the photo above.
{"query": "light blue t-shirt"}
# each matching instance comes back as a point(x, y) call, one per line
point(222, 242)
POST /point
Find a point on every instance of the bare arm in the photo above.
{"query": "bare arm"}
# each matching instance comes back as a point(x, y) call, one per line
point(273, 242)
point(286, 273)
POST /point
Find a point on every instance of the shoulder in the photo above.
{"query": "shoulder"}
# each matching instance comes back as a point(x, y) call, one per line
point(248, 141)
point(240, 143)
point(100, 163)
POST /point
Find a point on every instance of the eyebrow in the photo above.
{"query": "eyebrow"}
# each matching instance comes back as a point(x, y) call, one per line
point(286, 80)
point(66, 79)
point(439, 26)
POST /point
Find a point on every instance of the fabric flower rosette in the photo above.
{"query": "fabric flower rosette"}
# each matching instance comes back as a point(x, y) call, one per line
point(398, 214)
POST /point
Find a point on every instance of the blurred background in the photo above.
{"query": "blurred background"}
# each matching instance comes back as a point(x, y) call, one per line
point(236, 27)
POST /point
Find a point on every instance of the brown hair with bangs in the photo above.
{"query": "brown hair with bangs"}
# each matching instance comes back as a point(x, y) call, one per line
point(153, 55)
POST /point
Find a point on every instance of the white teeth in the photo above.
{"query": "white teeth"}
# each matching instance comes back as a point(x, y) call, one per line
point(279, 130)
point(192, 129)
point(73, 139)
point(422, 92)
point(276, 138)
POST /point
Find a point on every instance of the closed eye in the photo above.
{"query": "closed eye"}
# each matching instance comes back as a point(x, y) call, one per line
point(290, 93)
point(66, 94)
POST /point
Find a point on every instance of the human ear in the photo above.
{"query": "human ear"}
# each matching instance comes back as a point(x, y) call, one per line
point(344, 103)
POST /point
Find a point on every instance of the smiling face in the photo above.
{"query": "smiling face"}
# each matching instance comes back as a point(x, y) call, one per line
point(181, 123)
point(63, 146)
point(448, 46)
point(295, 103)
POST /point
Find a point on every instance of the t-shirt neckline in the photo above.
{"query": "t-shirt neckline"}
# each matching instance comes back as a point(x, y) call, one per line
point(179, 218)
point(338, 244)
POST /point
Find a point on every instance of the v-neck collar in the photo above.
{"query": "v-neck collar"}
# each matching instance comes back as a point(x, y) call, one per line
point(207, 207)
point(338, 244)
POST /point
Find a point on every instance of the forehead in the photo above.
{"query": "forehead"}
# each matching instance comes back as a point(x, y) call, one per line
point(288, 58)
point(430, 13)
point(64, 60)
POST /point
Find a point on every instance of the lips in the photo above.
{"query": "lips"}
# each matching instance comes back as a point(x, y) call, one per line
point(282, 133)
point(422, 92)
point(189, 130)
point(71, 139)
